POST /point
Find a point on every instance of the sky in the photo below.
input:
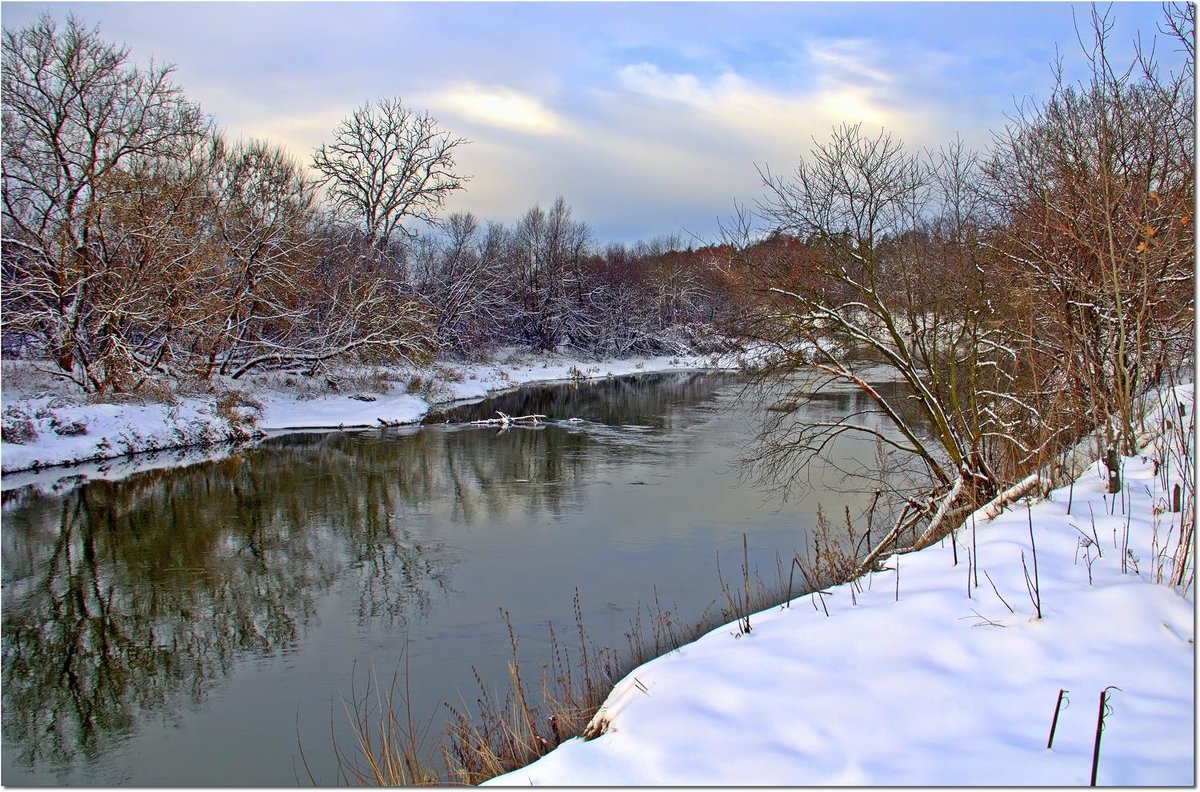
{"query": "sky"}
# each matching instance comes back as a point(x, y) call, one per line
point(648, 118)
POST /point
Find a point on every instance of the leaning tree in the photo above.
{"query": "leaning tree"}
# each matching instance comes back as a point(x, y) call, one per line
point(873, 262)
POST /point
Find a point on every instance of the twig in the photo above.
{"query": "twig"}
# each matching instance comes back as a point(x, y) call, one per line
point(989, 577)
point(985, 619)
point(1036, 590)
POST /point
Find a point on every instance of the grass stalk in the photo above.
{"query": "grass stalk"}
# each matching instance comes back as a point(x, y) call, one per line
point(1058, 707)
point(1105, 709)
point(1035, 587)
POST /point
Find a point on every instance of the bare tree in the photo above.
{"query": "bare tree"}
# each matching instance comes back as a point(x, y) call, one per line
point(616, 314)
point(145, 289)
point(1095, 192)
point(387, 164)
point(363, 316)
point(886, 275)
point(548, 253)
point(85, 135)
point(459, 268)
point(263, 214)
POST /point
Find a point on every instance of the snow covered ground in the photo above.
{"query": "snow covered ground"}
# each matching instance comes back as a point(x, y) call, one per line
point(918, 676)
point(62, 427)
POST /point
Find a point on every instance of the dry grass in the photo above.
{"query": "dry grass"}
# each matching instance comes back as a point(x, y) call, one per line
point(239, 409)
point(503, 736)
point(496, 735)
point(388, 750)
point(1175, 517)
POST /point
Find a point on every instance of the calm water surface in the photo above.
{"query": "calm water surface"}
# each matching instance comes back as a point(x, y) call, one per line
point(200, 625)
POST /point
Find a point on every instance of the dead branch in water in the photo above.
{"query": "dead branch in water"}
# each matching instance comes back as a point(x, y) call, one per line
point(507, 420)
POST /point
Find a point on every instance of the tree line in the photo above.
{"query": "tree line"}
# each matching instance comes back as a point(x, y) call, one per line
point(140, 244)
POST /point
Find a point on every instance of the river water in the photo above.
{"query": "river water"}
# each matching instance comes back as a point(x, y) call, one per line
point(203, 625)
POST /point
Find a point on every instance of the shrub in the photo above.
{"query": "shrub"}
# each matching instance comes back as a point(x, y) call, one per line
point(158, 390)
point(239, 409)
point(16, 426)
point(448, 373)
point(72, 429)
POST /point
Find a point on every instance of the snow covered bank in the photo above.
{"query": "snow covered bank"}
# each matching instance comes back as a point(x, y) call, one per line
point(935, 672)
point(58, 430)
point(58, 427)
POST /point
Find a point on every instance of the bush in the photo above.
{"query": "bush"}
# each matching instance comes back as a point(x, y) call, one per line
point(239, 409)
point(72, 429)
point(448, 373)
point(16, 426)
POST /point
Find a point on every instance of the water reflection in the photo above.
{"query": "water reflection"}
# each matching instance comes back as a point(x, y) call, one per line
point(647, 401)
point(127, 599)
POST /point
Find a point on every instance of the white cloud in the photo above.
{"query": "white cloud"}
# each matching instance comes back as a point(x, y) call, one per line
point(722, 96)
point(839, 81)
point(848, 59)
point(498, 106)
point(648, 80)
point(747, 109)
point(675, 149)
point(691, 141)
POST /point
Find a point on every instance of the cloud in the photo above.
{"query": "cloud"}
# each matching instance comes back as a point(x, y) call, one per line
point(849, 60)
point(747, 109)
point(645, 116)
point(690, 138)
point(647, 79)
point(498, 106)
point(626, 186)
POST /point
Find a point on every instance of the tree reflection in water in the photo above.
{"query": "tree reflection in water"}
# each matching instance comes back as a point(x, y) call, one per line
point(131, 599)
point(134, 597)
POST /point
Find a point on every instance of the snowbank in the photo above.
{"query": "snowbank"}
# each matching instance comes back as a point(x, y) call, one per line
point(61, 431)
point(934, 672)
point(63, 428)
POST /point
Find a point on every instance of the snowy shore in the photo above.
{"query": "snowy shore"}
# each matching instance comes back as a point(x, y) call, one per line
point(937, 671)
point(61, 427)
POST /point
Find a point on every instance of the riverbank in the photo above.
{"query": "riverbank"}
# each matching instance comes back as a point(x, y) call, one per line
point(48, 423)
point(943, 668)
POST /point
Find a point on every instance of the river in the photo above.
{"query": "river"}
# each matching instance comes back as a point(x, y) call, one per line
point(203, 624)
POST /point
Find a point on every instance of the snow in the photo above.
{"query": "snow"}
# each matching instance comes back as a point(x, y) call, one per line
point(117, 430)
point(112, 430)
point(941, 685)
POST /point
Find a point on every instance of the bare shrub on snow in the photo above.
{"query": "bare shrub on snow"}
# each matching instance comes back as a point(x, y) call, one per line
point(239, 409)
point(16, 426)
